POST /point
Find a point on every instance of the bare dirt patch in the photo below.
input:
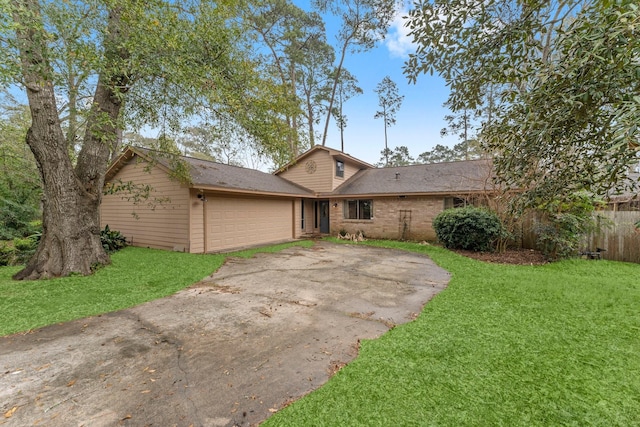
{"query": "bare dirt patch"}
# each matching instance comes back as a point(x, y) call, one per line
point(510, 256)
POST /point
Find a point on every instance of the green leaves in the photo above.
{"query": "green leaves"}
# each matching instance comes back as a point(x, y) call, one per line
point(574, 129)
point(112, 240)
point(168, 62)
point(561, 224)
point(389, 101)
point(20, 184)
point(556, 82)
point(468, 228)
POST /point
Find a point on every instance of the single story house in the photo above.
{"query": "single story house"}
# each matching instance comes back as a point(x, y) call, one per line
point(323, 191)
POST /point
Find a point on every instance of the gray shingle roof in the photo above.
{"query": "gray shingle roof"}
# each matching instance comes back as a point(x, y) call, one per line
point(450, 177)
point(208, 174)
point(436, 178)
point(205, 173)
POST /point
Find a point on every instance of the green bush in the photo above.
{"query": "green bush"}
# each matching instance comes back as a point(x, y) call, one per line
point(468, 228)
point(18, 252)
point(563, 225)
point(112, 240)
point(16, 219)
point(7, 254)
point(24, 244)
point(24, 250)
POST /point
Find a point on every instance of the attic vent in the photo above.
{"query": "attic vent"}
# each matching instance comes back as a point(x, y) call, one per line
point(397, 175)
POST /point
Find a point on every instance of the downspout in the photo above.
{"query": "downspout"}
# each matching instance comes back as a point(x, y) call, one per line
point(205, 234)
point(205, 237)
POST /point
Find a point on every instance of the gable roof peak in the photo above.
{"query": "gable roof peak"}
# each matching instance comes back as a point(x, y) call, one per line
point(331, 151)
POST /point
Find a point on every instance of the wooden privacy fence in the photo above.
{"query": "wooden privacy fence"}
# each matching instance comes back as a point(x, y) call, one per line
point(616, 233)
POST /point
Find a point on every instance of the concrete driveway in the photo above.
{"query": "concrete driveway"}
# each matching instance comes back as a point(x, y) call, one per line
point(230, 350)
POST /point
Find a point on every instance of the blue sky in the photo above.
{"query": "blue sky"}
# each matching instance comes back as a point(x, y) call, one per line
point(421, 116)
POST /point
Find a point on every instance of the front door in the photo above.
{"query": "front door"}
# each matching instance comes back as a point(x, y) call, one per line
point(323, 207)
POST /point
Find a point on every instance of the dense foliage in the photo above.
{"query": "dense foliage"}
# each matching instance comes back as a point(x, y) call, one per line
point(20, 184)
point(556, 82)
point(469, 228)
point(112, 240)
point(18, 251)
point(563, 225)
point(16, 219)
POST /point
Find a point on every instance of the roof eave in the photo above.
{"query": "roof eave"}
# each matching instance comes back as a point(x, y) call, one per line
point(413, 194)
point(342, 156)
point(228, 190)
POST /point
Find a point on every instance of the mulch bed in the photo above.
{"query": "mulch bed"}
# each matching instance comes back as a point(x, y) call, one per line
point(510, 256)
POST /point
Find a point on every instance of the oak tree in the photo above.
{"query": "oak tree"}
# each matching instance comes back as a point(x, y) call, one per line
point(148, 62)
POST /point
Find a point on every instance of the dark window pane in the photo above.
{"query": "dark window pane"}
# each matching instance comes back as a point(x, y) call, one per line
point(352, 209)
point(358, 209)
point(365, 209)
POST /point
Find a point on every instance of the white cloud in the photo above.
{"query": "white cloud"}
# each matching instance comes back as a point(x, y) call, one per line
point(398, 40)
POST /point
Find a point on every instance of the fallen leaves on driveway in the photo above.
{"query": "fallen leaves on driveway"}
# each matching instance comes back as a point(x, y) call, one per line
point(10, 412)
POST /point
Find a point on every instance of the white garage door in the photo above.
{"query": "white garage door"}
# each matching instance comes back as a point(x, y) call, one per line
point(237, 222)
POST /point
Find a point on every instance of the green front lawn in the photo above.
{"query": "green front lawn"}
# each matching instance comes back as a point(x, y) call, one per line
point(552, 345)
point(548, 345)
point(136, 275)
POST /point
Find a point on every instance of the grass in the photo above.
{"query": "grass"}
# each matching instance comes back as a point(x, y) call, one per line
point(136, 275)
point(503, 345)
point(551, 345)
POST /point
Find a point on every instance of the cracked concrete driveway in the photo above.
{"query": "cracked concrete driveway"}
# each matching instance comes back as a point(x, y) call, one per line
point(230, 350)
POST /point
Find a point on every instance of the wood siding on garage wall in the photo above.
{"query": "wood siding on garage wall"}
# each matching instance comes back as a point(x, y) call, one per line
point(196, 215)
point(309, 218)
point(162, 223)
point(236, 222)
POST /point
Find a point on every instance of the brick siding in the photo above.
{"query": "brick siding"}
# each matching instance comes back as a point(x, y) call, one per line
point(406, 218)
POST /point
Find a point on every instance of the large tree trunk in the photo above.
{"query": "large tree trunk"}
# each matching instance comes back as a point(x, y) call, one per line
point(71, 198)
point(71, 223)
